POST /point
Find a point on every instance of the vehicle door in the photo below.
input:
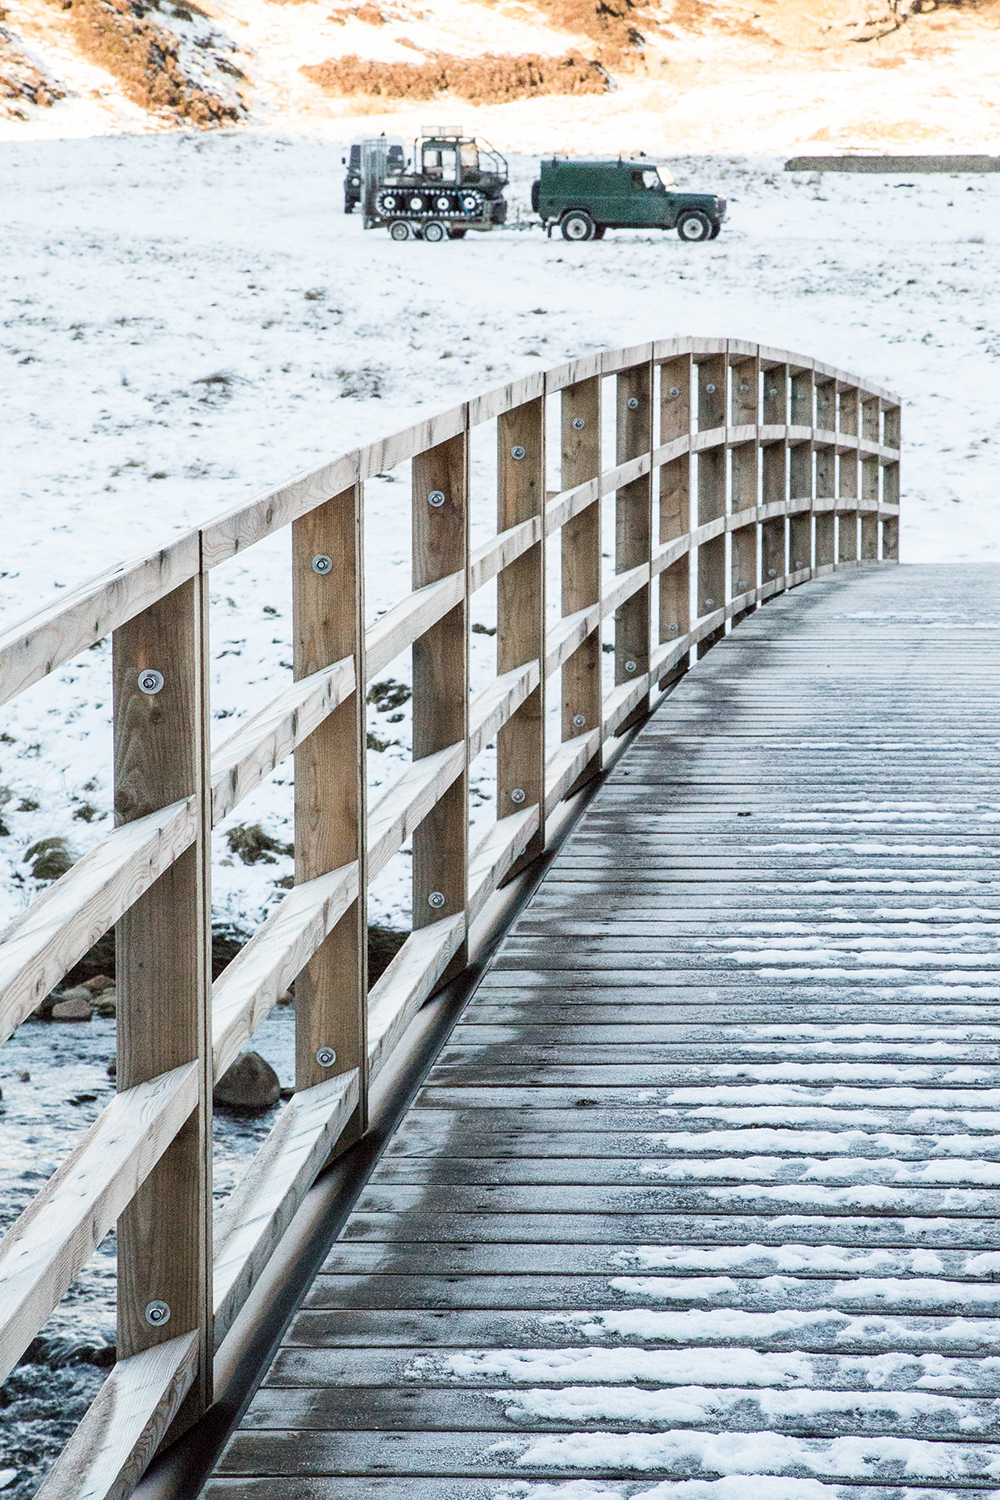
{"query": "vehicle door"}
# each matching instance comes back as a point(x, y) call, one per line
point(648, 198)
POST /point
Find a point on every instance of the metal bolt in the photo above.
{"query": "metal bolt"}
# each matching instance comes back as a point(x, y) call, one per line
point(157, 1313)
point(674, 391)
point(326, 1057)
point(517, 795)
point(710, 603)
point(772, 573)
point(436, 899)
point(517, 451)
point(710, 389)
point(800, 564)
point(579, 720)
point(773, 391)
point(322, 564)
point(744, 387)
point(672, 629)
point(630, 666)
point(579, 423)
point(741, 583)
point(435, 498)
point(633, 403)
point(150, 681)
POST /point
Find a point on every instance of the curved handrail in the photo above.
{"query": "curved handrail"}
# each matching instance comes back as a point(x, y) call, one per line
point(738, 471)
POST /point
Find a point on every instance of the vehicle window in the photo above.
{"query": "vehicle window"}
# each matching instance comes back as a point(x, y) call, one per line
point(665, 176)
point(470, 156)
point(651, 180)
point(439, 161)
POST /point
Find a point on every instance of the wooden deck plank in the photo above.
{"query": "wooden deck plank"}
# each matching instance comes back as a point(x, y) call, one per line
point(712, 1160)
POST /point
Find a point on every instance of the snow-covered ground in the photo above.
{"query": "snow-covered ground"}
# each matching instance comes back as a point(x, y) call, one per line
point(189, 320)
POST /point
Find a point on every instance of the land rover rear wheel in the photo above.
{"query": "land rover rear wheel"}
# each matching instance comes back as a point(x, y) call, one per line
point(399, 230)
point(435, 232)
point(694, 226)
point(577, 225)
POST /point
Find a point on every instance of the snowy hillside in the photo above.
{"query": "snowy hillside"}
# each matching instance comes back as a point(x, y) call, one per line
point(664, 75)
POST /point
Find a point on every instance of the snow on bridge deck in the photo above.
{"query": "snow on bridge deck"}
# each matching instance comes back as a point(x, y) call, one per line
point(704, 1184)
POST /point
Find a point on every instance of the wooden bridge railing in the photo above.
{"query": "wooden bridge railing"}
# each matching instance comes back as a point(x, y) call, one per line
point(737, 472)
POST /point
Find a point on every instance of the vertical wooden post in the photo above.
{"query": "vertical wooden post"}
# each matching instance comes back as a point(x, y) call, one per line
point(634, 529)
point(582, 698)
point(746, 392)
point(745, 478)
point(521, 616)
point(675, 505)
point(774, 462)
point(800, 471)
point(441, 681)
point(163, 959)
point(328, 624)
point(890, 484)
point(847, 480)
point(870, 413)
point(712, 407)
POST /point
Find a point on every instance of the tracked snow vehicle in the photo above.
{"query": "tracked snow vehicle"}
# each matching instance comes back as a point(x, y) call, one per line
point(453, 184)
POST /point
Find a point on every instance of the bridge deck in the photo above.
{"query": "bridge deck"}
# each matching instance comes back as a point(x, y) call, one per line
point(705, 1182)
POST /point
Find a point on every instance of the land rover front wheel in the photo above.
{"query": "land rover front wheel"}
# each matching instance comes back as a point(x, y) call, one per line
point(694, 226)
point(399, 230)
point(577, 225)
point(435, 232)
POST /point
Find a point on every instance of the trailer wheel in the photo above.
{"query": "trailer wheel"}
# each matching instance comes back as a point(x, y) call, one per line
point(715, 231)
point(455, 233)
point(577, 225)
point(399, 230)
point(693, 227)
point(435, 232)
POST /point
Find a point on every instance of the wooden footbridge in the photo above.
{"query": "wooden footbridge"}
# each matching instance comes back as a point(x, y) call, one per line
point(696, 1199)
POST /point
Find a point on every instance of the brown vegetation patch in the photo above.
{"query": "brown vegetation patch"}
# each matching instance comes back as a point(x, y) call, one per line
point(482, 80)
point(614, 26)
point(144, 58)
point(20, 81)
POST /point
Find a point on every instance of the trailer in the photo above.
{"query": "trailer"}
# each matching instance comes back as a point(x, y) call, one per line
point(454, 183)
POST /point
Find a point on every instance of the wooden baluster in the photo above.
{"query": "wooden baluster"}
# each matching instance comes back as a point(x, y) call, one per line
point(328, 625)
point(582, 696)
point(163, 960)
point(634, 530)
point(890, 485)
point(521, 616)
point(774, 487)
point(800, 471)
point(870, 414)
point(441, 681)
point(675, 505)
point(847, 488)
point(745, 481)
point(712, 406)
point(847, 482)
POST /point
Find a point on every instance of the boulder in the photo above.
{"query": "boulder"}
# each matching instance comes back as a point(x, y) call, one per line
point(98, 984)
point(72, 1007)
point(106, 1003)
point(249, 1087)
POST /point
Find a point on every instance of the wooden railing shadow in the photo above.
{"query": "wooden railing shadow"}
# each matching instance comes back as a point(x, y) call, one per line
point(738, 472)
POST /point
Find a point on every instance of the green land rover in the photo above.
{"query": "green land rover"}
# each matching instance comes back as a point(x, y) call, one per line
point(584, 196)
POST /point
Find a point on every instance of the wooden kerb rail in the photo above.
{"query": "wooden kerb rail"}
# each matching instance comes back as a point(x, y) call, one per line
point(737, 472)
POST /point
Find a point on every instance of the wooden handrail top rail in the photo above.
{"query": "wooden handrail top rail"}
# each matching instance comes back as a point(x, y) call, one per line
point(49, 638)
